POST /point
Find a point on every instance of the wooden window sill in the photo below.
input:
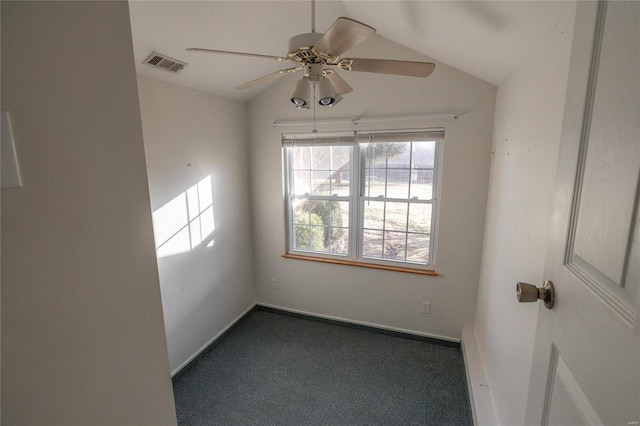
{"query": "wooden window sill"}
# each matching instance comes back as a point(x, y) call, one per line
point(361, 264)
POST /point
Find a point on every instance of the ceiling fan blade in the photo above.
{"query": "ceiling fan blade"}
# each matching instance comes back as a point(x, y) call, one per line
point(268, 77)
point(343, 35)
point(226, 52)
point(386, 66)
point(339, 85)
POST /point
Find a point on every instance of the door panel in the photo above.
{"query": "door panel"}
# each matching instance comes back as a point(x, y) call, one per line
point(609, 163)
point(586, 367)
point(569, 405)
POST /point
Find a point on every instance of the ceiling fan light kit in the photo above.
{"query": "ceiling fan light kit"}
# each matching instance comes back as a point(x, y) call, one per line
point(318, 54)
point(326, 93)
point(300, 96)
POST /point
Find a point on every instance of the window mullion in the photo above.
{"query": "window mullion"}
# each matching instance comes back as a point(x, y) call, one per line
point(406, 229)
point(290, 185)
point(355, 216)
point(386, 191)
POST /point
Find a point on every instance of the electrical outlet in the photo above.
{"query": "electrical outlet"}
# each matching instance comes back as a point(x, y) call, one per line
point(426, 308)
point(274, 283)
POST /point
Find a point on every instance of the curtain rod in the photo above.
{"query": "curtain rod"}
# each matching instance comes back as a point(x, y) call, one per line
point(358, 120)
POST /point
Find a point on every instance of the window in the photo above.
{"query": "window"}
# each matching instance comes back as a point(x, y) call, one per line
point(364, 197)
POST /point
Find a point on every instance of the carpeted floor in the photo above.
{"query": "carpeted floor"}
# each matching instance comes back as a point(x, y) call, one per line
point(275, 369)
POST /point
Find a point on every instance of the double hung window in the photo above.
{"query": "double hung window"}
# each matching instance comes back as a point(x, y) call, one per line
point(365, 197)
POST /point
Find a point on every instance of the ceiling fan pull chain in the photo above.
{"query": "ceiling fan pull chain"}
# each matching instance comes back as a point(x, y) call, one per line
point(314, 109)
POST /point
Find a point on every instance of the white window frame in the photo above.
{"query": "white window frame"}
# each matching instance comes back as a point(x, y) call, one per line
point(357, 198)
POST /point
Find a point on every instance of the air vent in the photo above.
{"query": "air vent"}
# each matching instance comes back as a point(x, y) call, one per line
point(158, 60)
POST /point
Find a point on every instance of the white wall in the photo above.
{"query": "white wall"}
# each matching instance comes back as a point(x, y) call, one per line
point(528, 122)
point(82, 326)
point(190, 136)
point(390, 299)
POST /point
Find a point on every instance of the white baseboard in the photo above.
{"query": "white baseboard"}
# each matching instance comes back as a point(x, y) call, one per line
point(479, 392)
point(206, 345)
point(312, 314)
point(368, 324)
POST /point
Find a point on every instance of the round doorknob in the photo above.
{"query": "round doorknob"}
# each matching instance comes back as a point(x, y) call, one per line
point(531, 293)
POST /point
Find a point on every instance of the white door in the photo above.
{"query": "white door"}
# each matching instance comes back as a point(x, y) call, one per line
point(586, 366)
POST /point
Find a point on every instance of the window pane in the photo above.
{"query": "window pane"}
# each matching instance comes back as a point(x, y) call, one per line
point(307, 229)
point(302, 182)
point(340, 157)
point(302, 158)
point(420, 218)
point(334, 216)
point(339, 243)
point(375, 182)
point(422, 184)
point(398, 155)
point(394, 245)
point(341, 179)
point(340, 170)
point(320, 182)
point(330, 220)
point(372, 244)
point(423, 154)
point(321, 170)
point(395, 154)
point(308, 237)
point(374, 215)
point(376, 155)
point(398, 183)
point(301, 210)
point(333, 213)
point(418, 248)
point(321, 157)
point(396, 217)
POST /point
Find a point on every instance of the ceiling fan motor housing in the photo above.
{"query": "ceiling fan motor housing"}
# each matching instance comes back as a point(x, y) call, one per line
point(300, 48)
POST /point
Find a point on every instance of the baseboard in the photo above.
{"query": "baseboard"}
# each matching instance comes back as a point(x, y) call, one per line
point(479, 392)
point(433, 338)
point(399, 332)
point(209, 345)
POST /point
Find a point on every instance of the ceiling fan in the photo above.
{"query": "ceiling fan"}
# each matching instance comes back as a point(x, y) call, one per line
point(318, 54)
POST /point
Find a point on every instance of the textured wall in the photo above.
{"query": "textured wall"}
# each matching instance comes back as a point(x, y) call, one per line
point(528, 123)
point(196, 147)
point(82, 327)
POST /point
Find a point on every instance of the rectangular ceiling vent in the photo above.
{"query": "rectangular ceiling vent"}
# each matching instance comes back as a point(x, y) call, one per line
point(161, 61)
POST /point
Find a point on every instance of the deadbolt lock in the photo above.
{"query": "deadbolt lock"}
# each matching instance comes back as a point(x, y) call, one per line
point(531, 293)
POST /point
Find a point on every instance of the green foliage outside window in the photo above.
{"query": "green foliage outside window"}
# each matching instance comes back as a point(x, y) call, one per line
point(309, 234)
point(330, 214)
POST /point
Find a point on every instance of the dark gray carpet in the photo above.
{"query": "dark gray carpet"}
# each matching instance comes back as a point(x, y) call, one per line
point(274, 369)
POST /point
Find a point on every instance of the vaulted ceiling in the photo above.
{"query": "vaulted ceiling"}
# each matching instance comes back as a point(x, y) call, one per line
point(486, 39)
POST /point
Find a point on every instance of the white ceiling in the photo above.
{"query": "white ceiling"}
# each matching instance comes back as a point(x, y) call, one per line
point(486, 39)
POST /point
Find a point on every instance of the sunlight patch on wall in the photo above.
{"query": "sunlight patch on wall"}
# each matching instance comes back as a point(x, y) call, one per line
point(185, 222)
